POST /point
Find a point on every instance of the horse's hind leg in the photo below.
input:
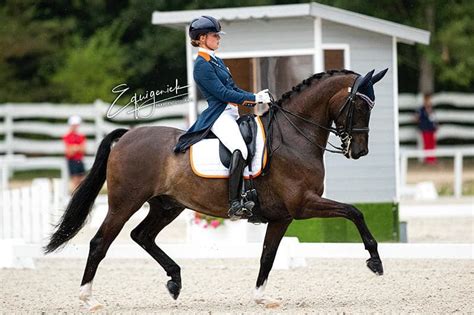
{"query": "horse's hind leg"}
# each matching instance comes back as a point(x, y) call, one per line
point(317, 207)
point(100, 243)
point(159, 216)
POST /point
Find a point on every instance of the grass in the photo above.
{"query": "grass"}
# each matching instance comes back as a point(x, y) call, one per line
point(32, 174)
point(381, 218)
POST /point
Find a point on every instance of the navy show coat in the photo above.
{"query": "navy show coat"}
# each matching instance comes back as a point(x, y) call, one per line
point(217, 86)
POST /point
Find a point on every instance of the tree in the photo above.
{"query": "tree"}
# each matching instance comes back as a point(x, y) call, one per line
point(93, 67)
point(31, 44)
point(447, 60)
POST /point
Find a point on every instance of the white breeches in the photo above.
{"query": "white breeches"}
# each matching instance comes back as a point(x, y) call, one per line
point(226, 129)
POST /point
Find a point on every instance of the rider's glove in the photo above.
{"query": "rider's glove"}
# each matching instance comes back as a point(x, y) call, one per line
point(263, 97)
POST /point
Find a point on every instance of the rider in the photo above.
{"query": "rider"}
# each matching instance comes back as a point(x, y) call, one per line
point(223, 96)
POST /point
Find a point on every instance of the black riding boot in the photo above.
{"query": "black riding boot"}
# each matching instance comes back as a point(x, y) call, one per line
point(236, 172)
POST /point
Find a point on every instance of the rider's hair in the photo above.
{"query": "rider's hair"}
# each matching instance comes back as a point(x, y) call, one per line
point(195, 42)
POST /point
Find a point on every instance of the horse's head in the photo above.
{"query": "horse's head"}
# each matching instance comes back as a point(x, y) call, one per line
point(350, 110)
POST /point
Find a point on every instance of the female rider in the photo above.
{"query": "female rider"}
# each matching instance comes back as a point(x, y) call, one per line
point(223, 96)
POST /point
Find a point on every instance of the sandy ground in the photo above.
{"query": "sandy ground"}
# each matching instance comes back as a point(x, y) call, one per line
point(224, 286)
point(440, 230)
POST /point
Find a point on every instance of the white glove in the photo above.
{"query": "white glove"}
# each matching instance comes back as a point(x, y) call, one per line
point(263, 97)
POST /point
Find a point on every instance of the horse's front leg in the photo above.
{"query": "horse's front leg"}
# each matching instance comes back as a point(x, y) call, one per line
point(273, 236)
point(318, 207)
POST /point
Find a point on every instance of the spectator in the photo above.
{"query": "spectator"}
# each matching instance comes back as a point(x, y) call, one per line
point(75, 144)
point(428, 125)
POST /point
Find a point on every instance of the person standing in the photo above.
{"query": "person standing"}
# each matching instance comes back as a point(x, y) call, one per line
point(75, 145)
point(428, 125)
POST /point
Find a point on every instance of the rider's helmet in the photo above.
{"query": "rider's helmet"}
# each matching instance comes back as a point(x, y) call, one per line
point(203, 25)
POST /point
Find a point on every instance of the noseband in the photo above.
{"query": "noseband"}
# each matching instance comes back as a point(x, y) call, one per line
point(344, 132)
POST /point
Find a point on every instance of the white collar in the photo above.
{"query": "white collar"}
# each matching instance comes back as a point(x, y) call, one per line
point(208, 51)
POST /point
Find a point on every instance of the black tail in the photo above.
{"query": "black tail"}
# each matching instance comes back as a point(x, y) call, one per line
point(83, 197)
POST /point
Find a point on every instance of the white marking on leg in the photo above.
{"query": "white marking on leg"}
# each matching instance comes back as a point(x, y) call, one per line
point(260, 297)
point(85, 295)
point(259, 293)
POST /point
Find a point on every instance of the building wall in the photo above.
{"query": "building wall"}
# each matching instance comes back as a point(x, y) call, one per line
point(267, 35)
point(371, 178)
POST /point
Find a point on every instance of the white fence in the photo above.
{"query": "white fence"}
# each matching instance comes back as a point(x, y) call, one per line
point(35, 120)
point(25, 119)
point(458, 154)
point(27, 213)
point(456, 119)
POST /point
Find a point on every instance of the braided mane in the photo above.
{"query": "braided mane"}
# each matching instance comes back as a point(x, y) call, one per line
point(307, 82)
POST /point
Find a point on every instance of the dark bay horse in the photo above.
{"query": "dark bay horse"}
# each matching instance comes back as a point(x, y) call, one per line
point(140, 166)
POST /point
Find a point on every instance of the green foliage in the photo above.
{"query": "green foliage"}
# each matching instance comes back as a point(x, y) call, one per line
point(381, 218)
point(451, 48)
point(93, 67)
point(30, 46)
point(74, 51)
point(453, 43)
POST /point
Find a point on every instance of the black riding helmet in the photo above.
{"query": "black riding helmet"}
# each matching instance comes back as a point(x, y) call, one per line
point(203, 25)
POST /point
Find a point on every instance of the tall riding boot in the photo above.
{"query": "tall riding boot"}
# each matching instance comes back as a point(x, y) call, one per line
point(236, 171)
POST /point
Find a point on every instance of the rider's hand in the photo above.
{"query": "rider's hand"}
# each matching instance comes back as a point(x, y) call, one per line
point(263, 97)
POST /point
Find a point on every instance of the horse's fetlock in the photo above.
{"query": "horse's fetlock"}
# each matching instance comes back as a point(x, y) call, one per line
point(174, 272)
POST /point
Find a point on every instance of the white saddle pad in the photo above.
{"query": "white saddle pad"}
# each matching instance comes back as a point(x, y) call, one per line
point(205, 160)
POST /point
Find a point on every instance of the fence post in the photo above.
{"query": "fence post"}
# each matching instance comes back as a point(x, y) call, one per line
point(8, 131)
point(458, 174)
point(99, 122)
point(403, 169)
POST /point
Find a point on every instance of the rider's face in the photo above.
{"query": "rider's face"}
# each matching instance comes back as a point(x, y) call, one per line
point(211, 41)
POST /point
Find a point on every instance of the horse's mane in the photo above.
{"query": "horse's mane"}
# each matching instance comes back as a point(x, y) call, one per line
point(306, 82)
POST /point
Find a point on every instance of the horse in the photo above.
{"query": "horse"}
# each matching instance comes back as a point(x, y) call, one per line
point(140, 166)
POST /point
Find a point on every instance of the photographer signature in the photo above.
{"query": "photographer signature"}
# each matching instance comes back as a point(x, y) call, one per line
point(146, 100)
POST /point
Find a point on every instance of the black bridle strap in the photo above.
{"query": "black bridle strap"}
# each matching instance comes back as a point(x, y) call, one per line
point(285, 112)
point(330, 129)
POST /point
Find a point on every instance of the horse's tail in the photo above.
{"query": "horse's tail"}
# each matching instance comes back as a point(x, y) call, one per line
point(83, 197)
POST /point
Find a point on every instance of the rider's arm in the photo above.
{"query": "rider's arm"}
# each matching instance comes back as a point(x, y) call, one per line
point(206, 77)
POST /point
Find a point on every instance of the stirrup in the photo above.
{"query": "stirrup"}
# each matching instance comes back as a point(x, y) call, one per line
point(239, 211)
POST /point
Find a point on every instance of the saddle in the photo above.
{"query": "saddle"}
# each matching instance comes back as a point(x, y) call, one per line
point(248, 130)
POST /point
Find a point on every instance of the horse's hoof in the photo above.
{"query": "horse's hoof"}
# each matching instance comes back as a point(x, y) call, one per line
point(173, 288)
point(375, 265)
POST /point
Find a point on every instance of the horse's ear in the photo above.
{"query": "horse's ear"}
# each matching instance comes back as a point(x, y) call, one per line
point(362, 82)
point(376, 78)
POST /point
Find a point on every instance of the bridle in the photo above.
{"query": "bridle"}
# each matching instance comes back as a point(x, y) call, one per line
point(344, 132)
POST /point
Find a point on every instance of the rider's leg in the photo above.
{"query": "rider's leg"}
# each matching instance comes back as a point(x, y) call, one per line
point(236, 170)
point(227, 130)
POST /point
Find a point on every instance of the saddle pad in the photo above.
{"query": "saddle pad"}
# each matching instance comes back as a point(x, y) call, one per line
point(205, 160)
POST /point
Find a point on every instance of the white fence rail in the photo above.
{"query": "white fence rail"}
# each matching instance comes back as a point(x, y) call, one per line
point(458, 155)
point(456, 122)
point(23, 118)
